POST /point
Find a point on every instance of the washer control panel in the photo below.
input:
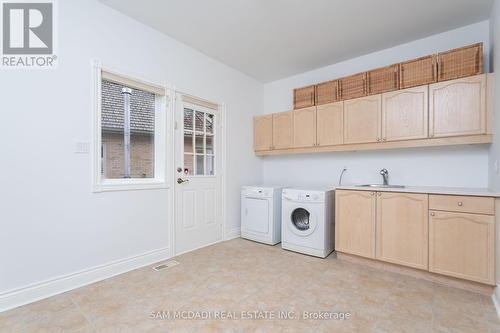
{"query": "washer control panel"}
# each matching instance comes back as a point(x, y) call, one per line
point(304, 195)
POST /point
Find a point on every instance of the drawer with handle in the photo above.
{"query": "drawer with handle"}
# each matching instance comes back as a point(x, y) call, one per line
point(465, 204)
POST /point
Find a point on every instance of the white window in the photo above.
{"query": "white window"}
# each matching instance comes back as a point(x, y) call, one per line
point(199, 140)
point(130, 126)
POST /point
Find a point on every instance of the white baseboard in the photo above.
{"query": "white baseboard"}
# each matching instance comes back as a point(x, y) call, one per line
point(38, 291)
point(496, 300)
point(232, 234)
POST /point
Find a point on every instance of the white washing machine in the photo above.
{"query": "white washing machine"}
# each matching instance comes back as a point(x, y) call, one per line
point(261, 214)
point(308, 221)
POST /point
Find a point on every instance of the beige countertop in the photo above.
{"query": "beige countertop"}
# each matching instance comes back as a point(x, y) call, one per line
point(480, 192)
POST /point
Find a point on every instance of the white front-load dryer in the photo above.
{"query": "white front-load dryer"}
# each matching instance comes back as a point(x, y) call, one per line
point(261, 214)
point(308, 221)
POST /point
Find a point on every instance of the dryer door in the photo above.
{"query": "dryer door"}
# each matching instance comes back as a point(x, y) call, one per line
point(302, 221)
point(255, 215)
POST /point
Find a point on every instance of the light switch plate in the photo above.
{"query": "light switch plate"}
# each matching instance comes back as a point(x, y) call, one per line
point(82, 148)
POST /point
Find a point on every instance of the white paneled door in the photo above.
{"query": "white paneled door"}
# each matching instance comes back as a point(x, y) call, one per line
point(198, 199)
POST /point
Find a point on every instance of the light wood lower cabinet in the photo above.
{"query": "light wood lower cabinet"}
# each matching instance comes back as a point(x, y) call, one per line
point(304, 127)
point(362, 119)
point(402, 229)
point(458, 107)
point(330, 124)
point(404, 114)
point(282, 130)
point(462, 245)
point(355, 222)
point(263, 132)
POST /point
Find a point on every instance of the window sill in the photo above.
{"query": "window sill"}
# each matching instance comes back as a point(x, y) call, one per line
point(133, 184)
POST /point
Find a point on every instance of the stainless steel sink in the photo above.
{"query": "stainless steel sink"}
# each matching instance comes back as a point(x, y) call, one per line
point(381, 186)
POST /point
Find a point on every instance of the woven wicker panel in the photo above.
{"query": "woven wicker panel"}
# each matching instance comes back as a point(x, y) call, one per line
point(464, 61)
point(327, 92)
point(353, 86)
point(383, 79)
point(303, 97)
point(418, 72)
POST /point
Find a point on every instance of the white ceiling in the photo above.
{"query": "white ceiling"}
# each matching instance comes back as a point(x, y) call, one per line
point(272, 39)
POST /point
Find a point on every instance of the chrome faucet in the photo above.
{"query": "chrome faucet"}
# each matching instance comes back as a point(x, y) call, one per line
point(385, 175)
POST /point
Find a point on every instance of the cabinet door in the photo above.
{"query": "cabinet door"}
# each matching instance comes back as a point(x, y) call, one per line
point(330, 124)
point(355, 222)
point(402, 229)
point(362, 119)
point(263, 132)
point(458, 107)
point(304, 127)
point(462, 245)
point(404, 114)
point(282, 130)
point(304, 97)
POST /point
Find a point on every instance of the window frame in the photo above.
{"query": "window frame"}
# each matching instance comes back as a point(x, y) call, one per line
point(163, 105)
point(214, 134)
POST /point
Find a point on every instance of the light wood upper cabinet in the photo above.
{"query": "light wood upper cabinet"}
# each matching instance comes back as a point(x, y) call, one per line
point(355, 222)
point(304, 127)
point(362, 119)
point(462, 245)
point(263, 132)
point(402, 229)
point(404, 114)
point(458, 107)
point(282, 130)
point(330, 124)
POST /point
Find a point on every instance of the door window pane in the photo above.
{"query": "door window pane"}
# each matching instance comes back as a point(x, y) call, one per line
point(199, 145)
point(188, 143)
point(210, 144)
point(188, 119)
point(199, 121)
point(209, 123)
point(188, 164)
point(200, 165)
point(210, 166)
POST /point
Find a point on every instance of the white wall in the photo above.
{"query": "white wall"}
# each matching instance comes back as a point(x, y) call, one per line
point(444, 166)
point(51, 224)
point(494, 177)
point(494, 152)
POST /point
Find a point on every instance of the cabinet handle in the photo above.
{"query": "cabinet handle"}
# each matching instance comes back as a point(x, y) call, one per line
point(432, 213)
point(372, 193)
point(384, 139)
point(379, 194)
point(378, 139)
point(460, 203)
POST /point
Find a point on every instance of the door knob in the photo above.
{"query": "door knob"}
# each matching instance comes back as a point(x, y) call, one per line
point(180, 180)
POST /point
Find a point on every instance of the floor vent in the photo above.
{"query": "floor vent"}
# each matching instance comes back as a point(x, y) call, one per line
point(168, 264)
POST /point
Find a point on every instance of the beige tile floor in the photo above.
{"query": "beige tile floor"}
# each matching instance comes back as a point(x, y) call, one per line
point(245, 278)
